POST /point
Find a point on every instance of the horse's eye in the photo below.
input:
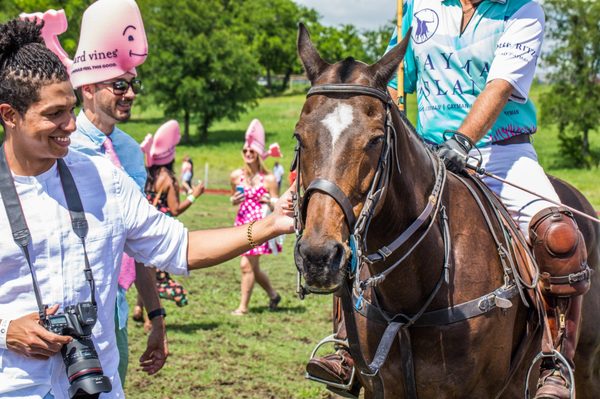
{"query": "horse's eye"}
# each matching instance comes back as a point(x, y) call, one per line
point(298, 139)
point(374, 142)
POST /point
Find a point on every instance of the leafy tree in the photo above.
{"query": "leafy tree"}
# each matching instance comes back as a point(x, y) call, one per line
point(197, 66)
point(376, 42)
point(572, 102)
point(337, 43)
point(270, 27)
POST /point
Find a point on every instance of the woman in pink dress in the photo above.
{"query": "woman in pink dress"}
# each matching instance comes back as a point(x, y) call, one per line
point(255, 190)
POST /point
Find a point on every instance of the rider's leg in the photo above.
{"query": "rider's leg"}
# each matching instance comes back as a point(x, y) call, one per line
point(560, 251)
point(517, 164)
point(558, 247)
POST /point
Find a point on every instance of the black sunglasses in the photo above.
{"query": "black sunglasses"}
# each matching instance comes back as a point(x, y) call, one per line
point(121, 86)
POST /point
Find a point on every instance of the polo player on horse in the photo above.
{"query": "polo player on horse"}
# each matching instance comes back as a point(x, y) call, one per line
point(472, 69)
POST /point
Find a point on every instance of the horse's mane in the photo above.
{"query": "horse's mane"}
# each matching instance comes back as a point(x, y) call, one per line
point(412, 131)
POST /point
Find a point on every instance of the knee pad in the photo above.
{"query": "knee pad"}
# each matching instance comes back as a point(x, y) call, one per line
point(560, 251)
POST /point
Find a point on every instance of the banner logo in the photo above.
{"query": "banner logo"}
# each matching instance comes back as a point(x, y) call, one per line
point(427, 24)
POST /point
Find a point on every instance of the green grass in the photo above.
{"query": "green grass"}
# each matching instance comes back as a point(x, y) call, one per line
point(216, 355)
point(261, 355)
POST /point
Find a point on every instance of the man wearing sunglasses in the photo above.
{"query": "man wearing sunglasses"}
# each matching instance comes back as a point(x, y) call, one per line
point(107, 90)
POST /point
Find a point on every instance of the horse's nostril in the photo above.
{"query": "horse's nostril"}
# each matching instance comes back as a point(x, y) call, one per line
point(328, 254)
point(338, 255)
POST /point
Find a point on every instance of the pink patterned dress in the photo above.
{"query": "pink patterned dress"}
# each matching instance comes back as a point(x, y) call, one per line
point(252, 209)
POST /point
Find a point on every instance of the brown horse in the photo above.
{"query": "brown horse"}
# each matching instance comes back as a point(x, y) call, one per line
point(357, 198)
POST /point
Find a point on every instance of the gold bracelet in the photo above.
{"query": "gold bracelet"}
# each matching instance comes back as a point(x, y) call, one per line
point(249, 235)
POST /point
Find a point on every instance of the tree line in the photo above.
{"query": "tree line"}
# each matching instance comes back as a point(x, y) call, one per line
point(206, 57)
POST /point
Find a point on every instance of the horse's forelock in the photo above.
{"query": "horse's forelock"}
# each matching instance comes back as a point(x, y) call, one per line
point(348, 70)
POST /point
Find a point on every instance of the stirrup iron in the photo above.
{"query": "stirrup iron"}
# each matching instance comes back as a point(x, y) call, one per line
point(330, 384)
point(559, 358)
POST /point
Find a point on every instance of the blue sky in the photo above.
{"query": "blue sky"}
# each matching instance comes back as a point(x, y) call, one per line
point(364, 14)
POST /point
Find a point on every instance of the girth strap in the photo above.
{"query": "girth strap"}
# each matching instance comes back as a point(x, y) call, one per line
point(408, 364)
point(441, 317)
point(331, 189)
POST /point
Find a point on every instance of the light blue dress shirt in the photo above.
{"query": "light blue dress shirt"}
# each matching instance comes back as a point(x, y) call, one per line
point(89, 140)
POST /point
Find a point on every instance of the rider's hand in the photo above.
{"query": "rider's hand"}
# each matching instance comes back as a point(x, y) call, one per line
point(29, 338)
point(198, 189)
point(455, 152)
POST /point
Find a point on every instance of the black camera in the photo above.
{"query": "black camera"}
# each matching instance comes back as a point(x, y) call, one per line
point(81, 359)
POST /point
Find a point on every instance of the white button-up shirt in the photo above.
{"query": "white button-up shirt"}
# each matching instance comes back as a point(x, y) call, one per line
point(120, 220)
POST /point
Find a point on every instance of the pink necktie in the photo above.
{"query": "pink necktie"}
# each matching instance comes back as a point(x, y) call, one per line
point(127, 275)
point(109, 150)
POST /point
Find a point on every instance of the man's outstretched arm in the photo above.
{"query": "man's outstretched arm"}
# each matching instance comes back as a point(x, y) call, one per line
point(211, 247)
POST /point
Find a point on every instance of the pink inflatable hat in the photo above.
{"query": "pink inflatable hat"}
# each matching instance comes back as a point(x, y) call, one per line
point(160, 148)
point(255, 139)
point(112, 42)
point(55, 24)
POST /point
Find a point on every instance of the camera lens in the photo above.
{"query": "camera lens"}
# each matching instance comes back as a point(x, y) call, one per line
point(84, 370)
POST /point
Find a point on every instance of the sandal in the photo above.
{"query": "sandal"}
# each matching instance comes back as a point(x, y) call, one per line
point(274, 303)
point(239, 312)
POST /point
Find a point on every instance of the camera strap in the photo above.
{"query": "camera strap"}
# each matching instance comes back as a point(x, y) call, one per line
point(20, 231)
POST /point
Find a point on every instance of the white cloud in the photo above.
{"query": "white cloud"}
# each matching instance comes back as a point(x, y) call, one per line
point(364, 14)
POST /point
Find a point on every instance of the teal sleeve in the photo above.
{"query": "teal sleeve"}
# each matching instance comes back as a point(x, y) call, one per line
point(410, 71)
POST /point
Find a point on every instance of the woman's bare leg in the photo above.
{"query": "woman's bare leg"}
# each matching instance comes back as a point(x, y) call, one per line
point(261, 277)
point(247, 284)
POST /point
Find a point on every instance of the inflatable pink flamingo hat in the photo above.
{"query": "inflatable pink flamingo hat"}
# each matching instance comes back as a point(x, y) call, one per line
point(112, 40)
point(255, 139)
point(160, 148)
point(55, 24)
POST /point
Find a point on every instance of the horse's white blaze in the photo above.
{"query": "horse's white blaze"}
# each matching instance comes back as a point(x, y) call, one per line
point(337, 121)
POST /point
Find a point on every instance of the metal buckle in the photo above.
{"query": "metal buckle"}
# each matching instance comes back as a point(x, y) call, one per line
point(487, 303)
point(577, 277)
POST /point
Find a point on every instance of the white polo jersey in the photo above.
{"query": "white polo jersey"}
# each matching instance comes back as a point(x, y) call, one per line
point(449, 69)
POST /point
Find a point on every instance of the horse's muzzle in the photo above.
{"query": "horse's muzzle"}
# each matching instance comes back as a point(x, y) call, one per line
point(322, 264)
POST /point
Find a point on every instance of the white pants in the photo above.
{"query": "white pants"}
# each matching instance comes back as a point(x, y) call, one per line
point(517, 164)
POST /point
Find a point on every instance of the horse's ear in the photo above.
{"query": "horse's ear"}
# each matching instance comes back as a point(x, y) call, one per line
point(311, 60)
point(384, 69)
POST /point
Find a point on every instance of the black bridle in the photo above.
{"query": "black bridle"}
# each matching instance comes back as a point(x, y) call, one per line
point(358, 226)
point(329, 187)
point(352, 299)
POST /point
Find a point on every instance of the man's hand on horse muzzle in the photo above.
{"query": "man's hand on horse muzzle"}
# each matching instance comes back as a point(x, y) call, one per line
point(455, 152)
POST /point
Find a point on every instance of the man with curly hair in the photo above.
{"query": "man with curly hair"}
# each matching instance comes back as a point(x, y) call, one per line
point(36, 111)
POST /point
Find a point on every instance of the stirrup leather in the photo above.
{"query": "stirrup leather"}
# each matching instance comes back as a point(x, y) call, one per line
point(559, 359)
point(330, 384)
